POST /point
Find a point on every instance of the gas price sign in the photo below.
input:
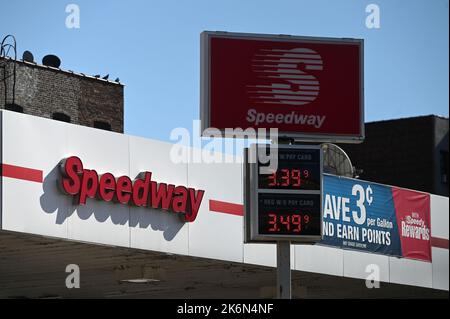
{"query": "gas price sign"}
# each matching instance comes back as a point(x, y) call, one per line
point(283, 196)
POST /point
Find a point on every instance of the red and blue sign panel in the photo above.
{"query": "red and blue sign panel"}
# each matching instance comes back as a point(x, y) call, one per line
point(376, 218)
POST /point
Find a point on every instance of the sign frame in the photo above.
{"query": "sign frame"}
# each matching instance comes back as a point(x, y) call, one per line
point(251, 190)
point(205, 86)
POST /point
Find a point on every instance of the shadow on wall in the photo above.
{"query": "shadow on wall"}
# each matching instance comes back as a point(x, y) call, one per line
point(54, 201)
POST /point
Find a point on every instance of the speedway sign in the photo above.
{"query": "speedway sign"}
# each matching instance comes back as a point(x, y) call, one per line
point(82, 183)
point(308, 88)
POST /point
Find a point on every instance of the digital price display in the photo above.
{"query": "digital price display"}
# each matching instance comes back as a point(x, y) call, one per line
point(289, 214)
point(284, 201)
point(296, 169)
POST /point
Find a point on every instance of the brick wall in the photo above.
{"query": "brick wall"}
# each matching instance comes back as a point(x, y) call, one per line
point(42, 91)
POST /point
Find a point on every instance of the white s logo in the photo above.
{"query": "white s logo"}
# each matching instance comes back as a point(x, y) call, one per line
point(284, 78)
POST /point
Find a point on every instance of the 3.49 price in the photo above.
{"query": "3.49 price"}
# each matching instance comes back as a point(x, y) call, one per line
point(287, 222)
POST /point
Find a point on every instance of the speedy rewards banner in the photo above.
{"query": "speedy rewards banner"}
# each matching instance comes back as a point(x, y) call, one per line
point(413, 219)
point(376, 218)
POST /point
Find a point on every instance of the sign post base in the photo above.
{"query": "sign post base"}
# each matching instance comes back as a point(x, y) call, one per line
point(284, 270)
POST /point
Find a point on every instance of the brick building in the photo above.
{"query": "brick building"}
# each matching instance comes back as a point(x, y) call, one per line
point(62, 95)
point(410, 152)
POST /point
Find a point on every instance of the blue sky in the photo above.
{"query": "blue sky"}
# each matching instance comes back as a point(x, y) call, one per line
point(153, 47)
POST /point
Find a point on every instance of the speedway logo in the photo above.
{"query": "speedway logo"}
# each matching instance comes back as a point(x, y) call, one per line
point(142, 192)
point(253, 116)
point(282, 77)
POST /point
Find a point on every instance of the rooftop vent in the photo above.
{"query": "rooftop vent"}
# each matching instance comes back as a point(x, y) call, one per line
point(28, 57)
point(51, 60)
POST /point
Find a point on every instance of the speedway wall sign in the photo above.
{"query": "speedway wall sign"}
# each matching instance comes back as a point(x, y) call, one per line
point(87, 183)
point(308, 88)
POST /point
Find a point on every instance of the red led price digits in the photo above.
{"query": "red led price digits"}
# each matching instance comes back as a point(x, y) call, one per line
point(273, 222)
point(296, 178)
point(305, 173)
point(287, 177)
point(306, 218)
point(285, 180)
point(287, 222)
point(297, 221)
point(273, 180)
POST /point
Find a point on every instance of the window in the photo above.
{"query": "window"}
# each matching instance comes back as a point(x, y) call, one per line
point(14, 108)
point(102, 125)
point(61, 117)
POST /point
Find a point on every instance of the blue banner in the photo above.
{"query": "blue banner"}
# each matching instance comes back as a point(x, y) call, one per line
point(360, 215)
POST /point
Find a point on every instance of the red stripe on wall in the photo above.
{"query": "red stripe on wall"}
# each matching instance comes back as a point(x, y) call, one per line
point(18, 172)
point(226, 208)
point(238, 209)
point(439, 242)
point(34, 175)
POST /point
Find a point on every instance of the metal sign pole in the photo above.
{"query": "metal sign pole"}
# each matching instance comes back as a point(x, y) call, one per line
point(284, 260)
point(283, 269)
point(275, 207)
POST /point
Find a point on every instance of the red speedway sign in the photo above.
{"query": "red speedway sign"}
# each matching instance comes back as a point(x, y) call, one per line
point(142, 192)
point(308, 88)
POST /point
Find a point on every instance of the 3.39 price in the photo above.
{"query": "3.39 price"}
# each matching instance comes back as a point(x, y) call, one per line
point(287, 222)
point(288, 177)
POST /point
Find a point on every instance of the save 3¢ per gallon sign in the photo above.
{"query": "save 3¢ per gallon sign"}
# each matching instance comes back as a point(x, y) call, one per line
point(376, 218)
